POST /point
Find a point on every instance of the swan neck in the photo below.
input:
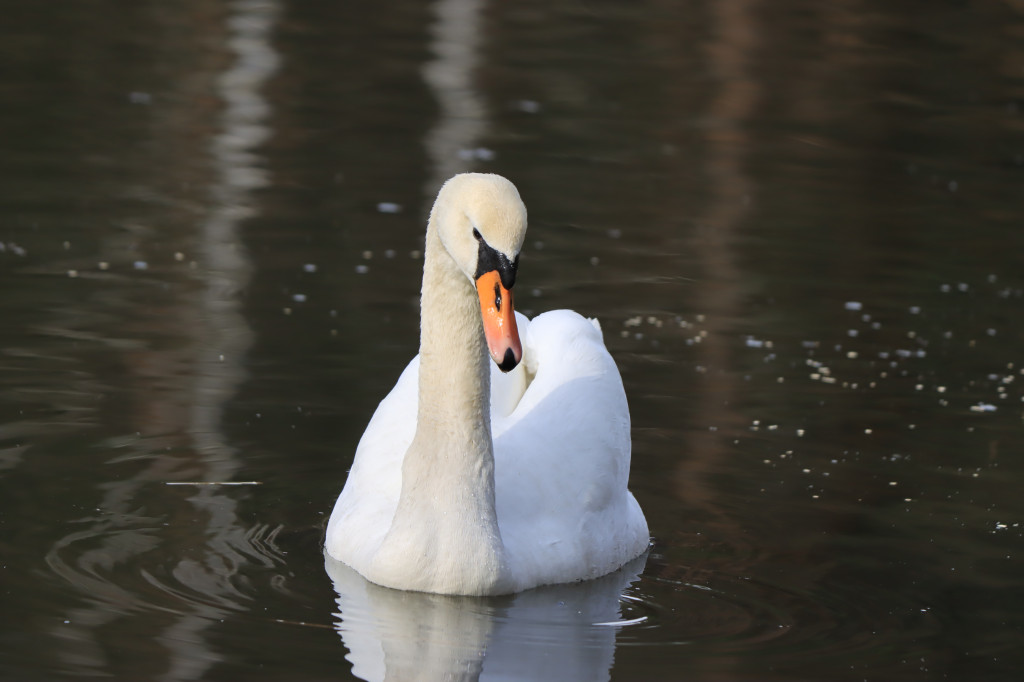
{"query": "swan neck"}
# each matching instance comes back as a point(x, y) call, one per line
point(454, 385)
point(444, 536)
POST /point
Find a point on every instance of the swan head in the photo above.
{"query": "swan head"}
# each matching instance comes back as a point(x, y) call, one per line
point(482, 223)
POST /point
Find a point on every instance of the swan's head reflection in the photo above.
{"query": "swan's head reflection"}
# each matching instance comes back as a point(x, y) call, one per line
point(558, 632)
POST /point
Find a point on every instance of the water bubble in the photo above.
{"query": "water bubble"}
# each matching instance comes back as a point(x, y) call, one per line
point(528, 106)
point(478, 154)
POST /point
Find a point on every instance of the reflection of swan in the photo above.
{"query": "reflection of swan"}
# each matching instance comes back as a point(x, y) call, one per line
point(558, 632)
point(431, 504)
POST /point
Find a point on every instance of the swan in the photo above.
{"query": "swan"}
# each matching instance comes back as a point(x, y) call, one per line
point(484, 478)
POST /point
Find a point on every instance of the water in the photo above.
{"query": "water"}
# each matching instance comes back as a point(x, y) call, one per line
point(799, 226)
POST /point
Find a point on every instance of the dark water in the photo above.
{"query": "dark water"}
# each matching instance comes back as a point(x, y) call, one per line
point(800, 225)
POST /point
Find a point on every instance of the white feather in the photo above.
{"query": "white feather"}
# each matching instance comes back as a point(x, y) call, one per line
point(561, 454)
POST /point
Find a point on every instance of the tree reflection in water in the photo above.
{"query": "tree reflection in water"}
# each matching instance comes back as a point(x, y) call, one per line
point(194, 552)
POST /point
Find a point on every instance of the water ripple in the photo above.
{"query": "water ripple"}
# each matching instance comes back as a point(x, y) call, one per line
point(773, 624)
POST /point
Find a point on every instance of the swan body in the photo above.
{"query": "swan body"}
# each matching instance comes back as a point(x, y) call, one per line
point(476, 477)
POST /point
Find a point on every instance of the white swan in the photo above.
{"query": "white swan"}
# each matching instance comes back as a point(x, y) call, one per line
point(433, 503)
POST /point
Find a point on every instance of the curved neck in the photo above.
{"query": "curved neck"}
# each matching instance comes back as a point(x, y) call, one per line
point(444, 533)
point(455, 377)
point(452, 447)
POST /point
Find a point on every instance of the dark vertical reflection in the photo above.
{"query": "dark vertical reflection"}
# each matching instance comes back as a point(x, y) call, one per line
point(455, 40)
point(197, 557)
point(731, 48)
point(225, 337)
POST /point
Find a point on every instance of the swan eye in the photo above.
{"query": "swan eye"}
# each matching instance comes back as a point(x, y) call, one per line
point(476, 235)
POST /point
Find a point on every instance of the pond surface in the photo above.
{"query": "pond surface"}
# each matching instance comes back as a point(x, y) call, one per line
point(800, 226)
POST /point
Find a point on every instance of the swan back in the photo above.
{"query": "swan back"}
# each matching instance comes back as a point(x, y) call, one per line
point(562, 459)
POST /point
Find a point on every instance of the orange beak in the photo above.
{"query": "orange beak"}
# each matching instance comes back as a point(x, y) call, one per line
point(499, 321)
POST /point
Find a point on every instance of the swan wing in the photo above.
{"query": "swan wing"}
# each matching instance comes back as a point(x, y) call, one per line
point(562, 452)
point(562, 459)
point(366, 506)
